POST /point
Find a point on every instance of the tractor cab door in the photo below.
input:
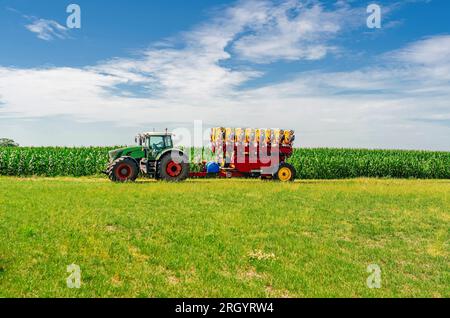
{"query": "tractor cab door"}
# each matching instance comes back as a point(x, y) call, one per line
point(156, 144)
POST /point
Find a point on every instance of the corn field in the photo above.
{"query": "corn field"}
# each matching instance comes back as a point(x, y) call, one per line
point(53, 161)
point(325, 163)
point(320, 163)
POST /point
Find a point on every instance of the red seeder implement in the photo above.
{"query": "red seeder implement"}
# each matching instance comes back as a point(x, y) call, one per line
point(250, 153)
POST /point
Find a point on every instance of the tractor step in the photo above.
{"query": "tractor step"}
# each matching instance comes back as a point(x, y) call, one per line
point(148, 167)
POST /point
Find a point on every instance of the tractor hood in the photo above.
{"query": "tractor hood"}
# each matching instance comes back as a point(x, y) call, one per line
point(126, 151)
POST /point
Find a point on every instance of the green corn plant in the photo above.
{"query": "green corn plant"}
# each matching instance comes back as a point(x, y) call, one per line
point(319, 163)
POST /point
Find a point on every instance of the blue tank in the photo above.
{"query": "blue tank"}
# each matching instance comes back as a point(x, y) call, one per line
point(212, 167)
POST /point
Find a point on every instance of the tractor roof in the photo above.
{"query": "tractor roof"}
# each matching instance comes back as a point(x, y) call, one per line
point(154, 133)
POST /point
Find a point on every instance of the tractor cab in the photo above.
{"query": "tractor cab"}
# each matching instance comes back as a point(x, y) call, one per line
point(155, 142)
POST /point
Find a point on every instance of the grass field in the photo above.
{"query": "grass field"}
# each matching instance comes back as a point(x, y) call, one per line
point(224, 238)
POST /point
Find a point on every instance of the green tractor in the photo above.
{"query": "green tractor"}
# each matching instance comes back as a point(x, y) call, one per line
point(154, 156)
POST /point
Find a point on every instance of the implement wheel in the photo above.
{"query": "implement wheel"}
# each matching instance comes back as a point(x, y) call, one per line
point(174, 168)
point(285, 173)
point(123, 169)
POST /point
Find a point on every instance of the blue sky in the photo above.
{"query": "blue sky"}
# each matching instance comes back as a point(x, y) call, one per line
point(313, 66)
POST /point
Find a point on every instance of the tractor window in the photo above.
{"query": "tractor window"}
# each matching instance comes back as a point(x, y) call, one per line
point(156, 142)
point(168, 140)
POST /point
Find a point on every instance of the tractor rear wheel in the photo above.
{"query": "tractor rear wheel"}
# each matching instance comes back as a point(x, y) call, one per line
point(123, 169)
point(285, 173)
point(173, 168)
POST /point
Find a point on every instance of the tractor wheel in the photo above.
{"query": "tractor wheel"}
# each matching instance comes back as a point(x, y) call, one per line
point(285, 173)
point(173, 169)
point(123, 169)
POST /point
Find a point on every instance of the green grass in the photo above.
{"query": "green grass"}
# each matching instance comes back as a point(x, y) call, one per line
point(224, 238)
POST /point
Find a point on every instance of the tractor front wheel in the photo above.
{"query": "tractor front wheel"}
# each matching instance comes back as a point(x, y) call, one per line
point(173, 168)
point(123, 169)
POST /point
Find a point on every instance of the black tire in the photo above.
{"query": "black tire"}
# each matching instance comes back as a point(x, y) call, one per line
point(123, 169)
point(283, 174)
point(173, 168)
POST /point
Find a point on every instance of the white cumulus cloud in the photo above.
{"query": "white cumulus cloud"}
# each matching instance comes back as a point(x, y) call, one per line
point(402, 103)
point(294, 31)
